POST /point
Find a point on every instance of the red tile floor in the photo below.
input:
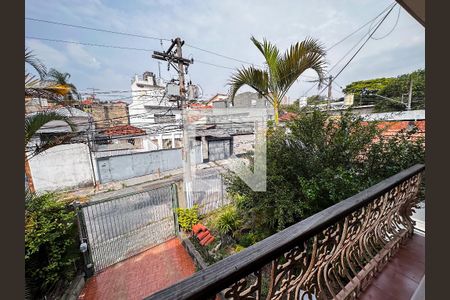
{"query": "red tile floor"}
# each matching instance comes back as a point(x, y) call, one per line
point(401, 276)
point(141, 275)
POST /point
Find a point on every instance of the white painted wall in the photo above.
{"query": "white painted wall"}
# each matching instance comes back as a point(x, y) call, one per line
point(62, 167)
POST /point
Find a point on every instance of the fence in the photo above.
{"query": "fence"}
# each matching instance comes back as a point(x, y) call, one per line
point(126, 166)
point(120, 227)
point(209, 191)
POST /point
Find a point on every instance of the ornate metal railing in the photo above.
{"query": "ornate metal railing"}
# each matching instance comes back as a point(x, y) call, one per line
point(333, 254)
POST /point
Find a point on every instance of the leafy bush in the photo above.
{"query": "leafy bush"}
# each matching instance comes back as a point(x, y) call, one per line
point(51, 237)
point(318, 162)
point(227, 221)
point(247, 239)
point(187, 217)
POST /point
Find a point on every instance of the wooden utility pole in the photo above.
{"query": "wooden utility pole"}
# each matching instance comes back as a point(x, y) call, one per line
point(176, 60)
point(410, 93)
point(179, 54)
point(330, 80)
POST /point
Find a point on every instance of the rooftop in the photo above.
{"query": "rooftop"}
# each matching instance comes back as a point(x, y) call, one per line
point(123, 130)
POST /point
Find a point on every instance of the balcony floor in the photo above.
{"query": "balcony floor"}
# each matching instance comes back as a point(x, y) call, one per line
point(401, 276)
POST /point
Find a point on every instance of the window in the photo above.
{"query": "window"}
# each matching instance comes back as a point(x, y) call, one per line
point(162, 118)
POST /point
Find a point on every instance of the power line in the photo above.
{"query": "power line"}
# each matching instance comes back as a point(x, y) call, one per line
point(218, 54)
point(393, 28)
point(365, 42)
point(112, 46)
point(96, 29)
point(88, 44)
point(361, 27)
point(136, 35)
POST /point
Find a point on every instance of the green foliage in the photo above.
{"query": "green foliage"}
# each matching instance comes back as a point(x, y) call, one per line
point(247, 239)
point(238, 248)
point(316, 99)
point(187, 217)
point(227, 221)
point(317, 163)
point(51, 251)
point(377, 84)
point(282, 70)
point(292, 108)
point(392, 88)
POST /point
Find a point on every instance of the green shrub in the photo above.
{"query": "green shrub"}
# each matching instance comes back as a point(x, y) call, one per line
point(238, 248)
point(227, 221)
point(187, 217)
point(317, 163)
point(247, 239)
point(51, 237)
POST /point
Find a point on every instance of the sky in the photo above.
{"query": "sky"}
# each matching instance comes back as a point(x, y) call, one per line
point(220, 26)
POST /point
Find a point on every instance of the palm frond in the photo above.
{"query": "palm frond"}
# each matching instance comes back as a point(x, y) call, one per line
point(35, 121)
point(271, 55)
point(308, 54)
point(251, 76)
point(33, 61)
point(57, 76)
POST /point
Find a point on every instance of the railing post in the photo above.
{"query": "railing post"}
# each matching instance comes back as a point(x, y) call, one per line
point(175, 205)
point(84, 241)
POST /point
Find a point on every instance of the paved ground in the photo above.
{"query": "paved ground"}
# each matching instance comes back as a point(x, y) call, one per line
point(141, 275)
point(400, 278)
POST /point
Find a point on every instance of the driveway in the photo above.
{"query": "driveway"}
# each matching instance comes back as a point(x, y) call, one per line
point(141, 275)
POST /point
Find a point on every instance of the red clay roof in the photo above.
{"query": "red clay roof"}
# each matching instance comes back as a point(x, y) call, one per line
point(123, 130)
point(287, 116)
point(87, 102)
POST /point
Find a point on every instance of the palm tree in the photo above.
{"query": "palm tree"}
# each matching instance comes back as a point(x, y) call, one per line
point(281, 71)
point(62, 79)
point(37, 86)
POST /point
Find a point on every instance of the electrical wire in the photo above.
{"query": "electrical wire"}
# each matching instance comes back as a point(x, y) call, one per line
point(136, 35)
point(393, 27)
point(360, 48)
point(361, 27)
point(114, 47)
point(96, 29)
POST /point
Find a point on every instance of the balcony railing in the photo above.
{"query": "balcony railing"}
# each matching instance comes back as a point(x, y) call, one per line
point(333, 254)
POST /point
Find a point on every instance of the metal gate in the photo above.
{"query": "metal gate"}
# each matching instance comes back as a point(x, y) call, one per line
point(208, 191)
point(120, 227)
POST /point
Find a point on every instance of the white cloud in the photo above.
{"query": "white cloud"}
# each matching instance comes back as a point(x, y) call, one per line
point(50, 56)
point(220, 26)
point(82, 56)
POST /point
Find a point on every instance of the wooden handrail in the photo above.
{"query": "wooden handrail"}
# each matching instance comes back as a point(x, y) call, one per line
point(206, 283)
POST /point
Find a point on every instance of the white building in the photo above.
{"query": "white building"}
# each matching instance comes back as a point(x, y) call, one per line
point(152, 111)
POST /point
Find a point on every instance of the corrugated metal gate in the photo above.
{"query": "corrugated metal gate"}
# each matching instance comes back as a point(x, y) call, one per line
point(209, 191)
point(120, 227)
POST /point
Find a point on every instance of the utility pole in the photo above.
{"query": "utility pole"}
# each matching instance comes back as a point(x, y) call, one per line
point(93, 93)
point(410, 93)
point(330, 80)
point(159, 69)
point(176, 60)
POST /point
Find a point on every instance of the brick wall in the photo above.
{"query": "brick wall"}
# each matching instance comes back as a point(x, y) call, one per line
point(109, 115)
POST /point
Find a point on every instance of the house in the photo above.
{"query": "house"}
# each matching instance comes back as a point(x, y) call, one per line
point(121, 137)
point(153, 111)
point(218, 100)
point(81, 120)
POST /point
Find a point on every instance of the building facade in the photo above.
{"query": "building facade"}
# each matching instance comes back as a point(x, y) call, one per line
point(152, 111)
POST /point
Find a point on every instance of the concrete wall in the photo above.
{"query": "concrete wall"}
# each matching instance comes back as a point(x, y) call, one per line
point(243, 143)
point(62, 167)
point(127, 166)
